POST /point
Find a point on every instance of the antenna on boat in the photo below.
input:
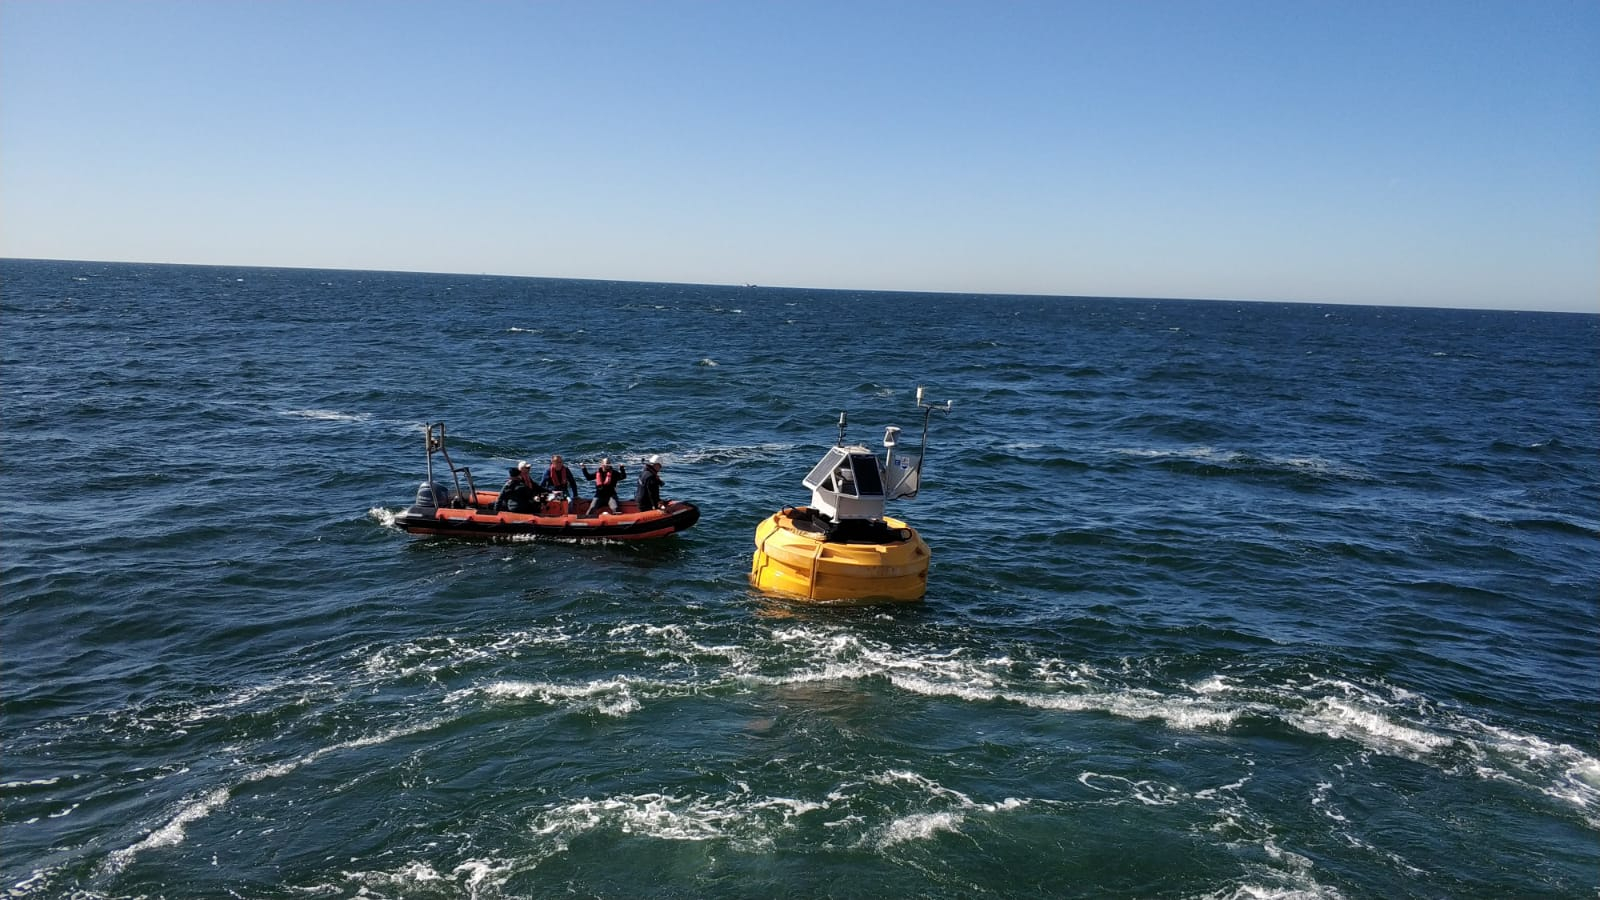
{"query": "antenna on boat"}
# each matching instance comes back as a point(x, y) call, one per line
point(434, 437)
point(841, 429)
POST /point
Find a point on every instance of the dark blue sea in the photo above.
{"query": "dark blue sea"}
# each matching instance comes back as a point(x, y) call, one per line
point(1227, 600)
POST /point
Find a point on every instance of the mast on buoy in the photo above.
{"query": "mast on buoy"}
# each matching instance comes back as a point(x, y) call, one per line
point(843, 547)
point(850, 482)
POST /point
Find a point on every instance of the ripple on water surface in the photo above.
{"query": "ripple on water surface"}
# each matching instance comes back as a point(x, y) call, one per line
point(1226, 600)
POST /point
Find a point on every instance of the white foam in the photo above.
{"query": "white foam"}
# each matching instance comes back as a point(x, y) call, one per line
point(1267, 892)
point(427, 657)
point(612, 697)
point(1144, 792)
point(1398, 722)
point(734, 454)
point(673, 632)
point(1207, 454)
point(950, 674)
point(1320, 801)
point(675, 641)
point(244, 696)
point(938, 791)
point(1385, 719)
point(749, 820)
point(482, 873)
point(920, 827)
point(38, 879)
point(412, 874)
point(37, 782)
point(1346, 720)
point(174, 831)
point(1559, 771)
point(327, 415)
point(1203, 454)
point(1213, 793)
point(1183, 713)
point(1379, 718)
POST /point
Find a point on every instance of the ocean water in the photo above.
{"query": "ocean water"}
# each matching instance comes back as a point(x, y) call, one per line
point(1228, 600)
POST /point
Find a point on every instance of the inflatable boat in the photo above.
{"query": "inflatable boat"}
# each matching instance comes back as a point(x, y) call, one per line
point(843, 548)
point(471, 513)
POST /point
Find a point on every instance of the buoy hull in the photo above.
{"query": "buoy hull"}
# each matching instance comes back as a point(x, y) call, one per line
point(794, 562)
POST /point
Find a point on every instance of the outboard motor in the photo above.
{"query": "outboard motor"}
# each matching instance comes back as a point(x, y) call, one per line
point(432, 495)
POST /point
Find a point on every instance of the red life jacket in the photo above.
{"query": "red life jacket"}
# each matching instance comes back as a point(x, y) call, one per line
point(605, 477)
point(557, 477)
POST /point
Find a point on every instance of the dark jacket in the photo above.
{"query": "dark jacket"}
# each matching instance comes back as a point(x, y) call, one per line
point(649, 494)
point(516, 496)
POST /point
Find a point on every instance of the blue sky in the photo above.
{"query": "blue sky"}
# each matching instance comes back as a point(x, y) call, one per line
point(1416, 153)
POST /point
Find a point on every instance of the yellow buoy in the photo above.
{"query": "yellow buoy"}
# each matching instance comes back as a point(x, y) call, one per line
point(843, 548)
point(794, 560)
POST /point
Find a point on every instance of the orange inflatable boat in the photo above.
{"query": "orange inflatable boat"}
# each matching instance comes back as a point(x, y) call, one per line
point(471, 513)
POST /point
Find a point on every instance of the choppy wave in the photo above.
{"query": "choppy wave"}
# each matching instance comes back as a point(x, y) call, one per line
point(434, 658)
point(1376, 718)
point(175, 829)
point(749, 821)
point(1227, 600)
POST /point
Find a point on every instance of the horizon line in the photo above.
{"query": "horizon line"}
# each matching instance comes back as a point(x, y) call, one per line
point(784, 287)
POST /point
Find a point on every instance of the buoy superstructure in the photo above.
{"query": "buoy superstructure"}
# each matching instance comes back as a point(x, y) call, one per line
point(844, 548)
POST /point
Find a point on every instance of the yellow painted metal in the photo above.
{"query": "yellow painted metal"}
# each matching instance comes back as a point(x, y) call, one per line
point(794, 563)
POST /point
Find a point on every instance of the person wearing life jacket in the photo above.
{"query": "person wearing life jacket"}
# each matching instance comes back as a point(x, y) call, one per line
point(605, 481)
point(559, 480)
point(517, 494)
point(525, 472)
point(649, 492)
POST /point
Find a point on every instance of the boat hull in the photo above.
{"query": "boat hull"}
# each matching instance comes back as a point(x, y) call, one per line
point(483, 523)
point(794, 561)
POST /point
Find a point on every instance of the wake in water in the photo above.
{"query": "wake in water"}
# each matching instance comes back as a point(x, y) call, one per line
point(679, 662)
point(174, 831)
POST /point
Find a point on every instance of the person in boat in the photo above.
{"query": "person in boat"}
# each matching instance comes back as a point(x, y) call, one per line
point(559, 480)
point(649, 492)
point(537, 493)
point(517, 495)
point(525, 472)
point(605, 481)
